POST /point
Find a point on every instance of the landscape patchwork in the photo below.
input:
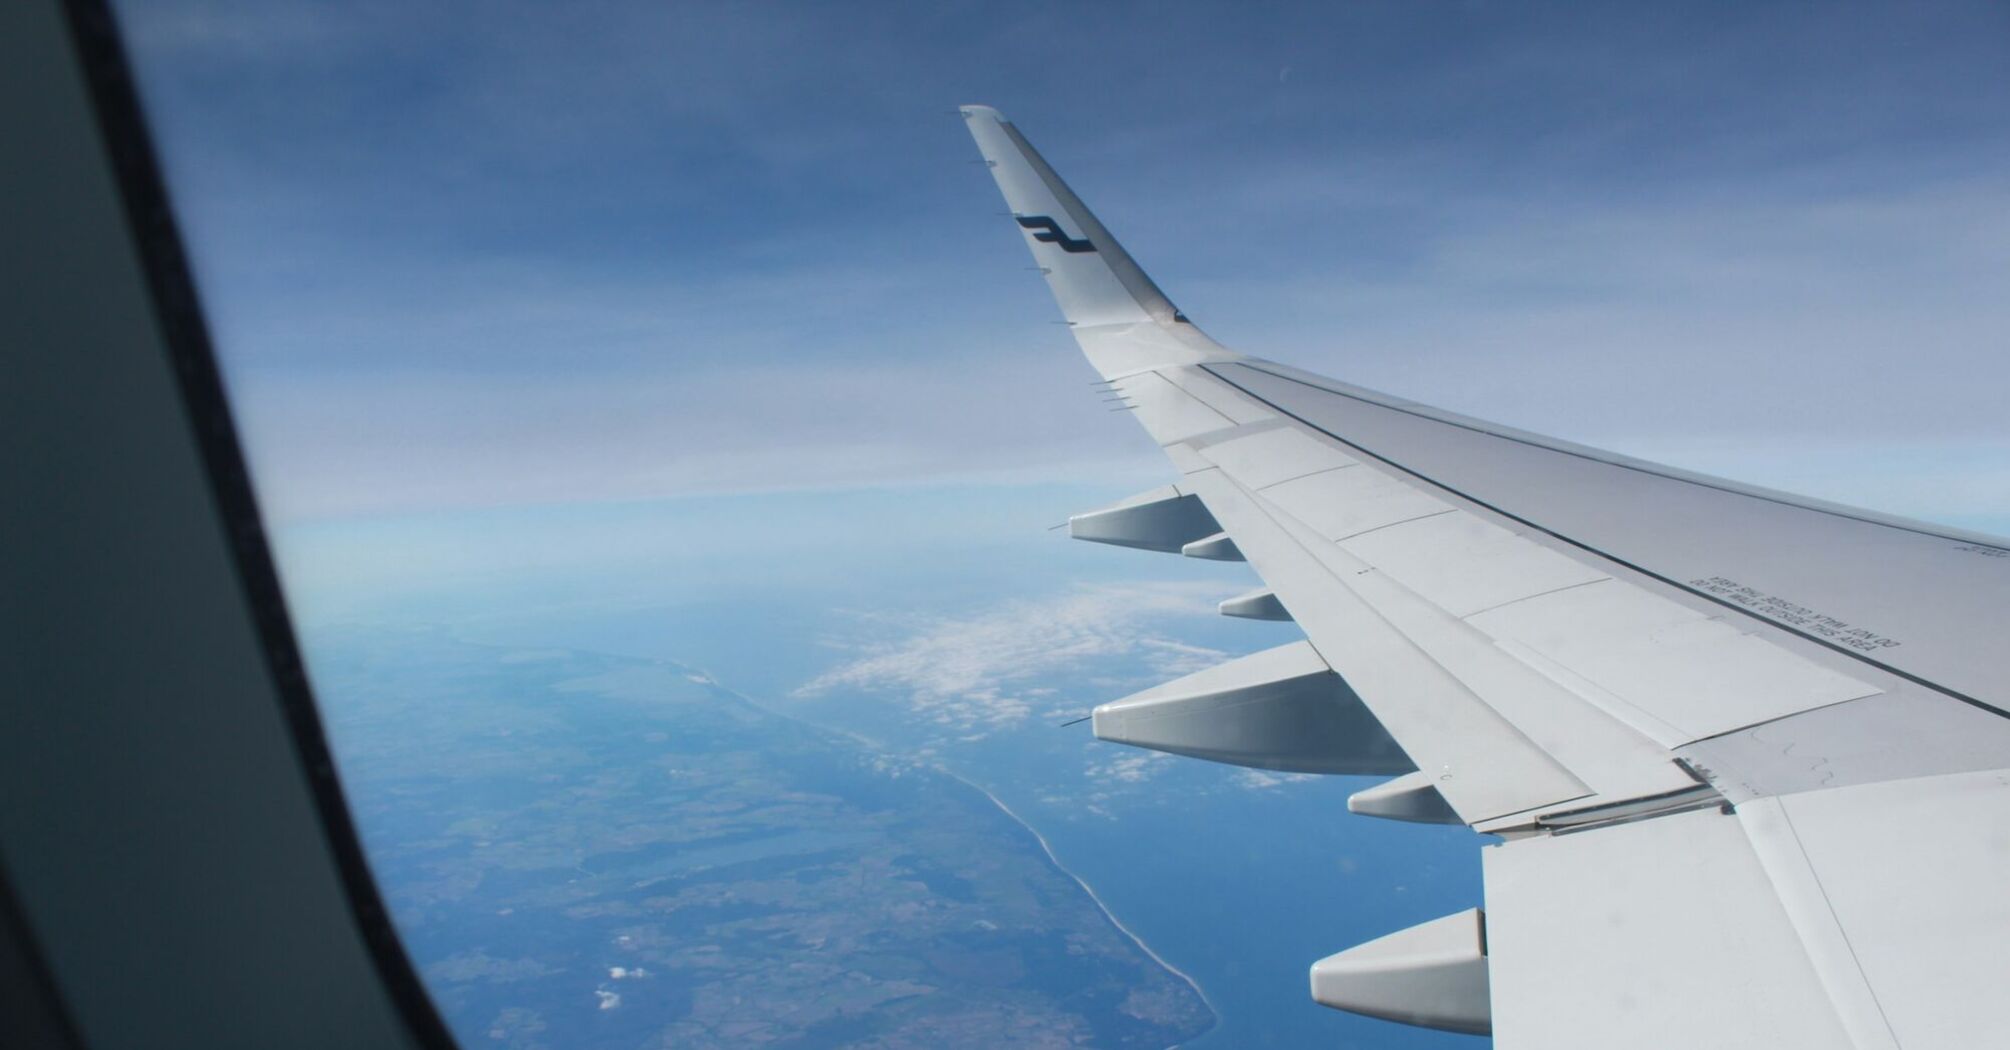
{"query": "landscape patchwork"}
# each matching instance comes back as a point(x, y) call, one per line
point(594, 850)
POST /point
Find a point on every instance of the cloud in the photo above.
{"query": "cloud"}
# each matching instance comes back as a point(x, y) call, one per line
point(1263, 780)
point(627, 251)
point(327, 447)
point(995, 670)
point(608, 1000)
point(1126, 769)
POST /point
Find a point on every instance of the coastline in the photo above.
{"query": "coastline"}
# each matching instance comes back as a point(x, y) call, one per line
point(710, 681)
point(1052, 858)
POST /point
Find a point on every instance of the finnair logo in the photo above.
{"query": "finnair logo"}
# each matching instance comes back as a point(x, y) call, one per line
point(1050, 233)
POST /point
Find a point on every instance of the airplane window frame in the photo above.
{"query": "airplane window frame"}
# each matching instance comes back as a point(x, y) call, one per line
point(108, 235)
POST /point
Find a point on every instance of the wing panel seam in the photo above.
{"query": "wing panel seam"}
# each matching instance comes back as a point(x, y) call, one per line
point(1538, 594)
point(1799, 859)
point(1393, 524)
point(1302, 477)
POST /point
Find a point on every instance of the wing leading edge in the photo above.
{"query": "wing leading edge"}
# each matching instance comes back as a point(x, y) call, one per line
point(1698, 714)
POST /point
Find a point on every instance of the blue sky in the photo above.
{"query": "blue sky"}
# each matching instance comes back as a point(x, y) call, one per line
point(517, 264)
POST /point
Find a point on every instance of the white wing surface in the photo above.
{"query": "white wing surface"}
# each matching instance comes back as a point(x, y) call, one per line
point(1745, 757)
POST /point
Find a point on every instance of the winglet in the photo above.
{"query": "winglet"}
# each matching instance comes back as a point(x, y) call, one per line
point(1094, 279)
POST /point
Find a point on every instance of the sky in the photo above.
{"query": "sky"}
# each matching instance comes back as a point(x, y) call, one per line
point(512, 255)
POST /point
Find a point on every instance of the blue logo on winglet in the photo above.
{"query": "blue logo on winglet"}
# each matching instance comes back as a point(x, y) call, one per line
point(1050, 233)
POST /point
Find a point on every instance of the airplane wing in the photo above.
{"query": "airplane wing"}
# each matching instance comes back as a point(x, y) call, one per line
point(1744, 757)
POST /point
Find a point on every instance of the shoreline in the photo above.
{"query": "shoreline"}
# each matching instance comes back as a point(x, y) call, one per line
point(706, 679)
point(1055, 860)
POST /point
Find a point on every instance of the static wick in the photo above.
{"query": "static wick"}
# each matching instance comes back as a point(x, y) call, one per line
point(1077, 721)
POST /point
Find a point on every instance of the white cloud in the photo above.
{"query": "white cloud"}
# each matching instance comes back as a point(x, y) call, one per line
point(396, 440)
point(1131, 768)
point(994, 670)
point(608, 1000)
point(1263, 780)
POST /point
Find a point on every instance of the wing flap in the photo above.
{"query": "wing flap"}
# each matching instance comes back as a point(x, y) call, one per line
point(1659, 933)
point(1898, 889)
point(1776, 925)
